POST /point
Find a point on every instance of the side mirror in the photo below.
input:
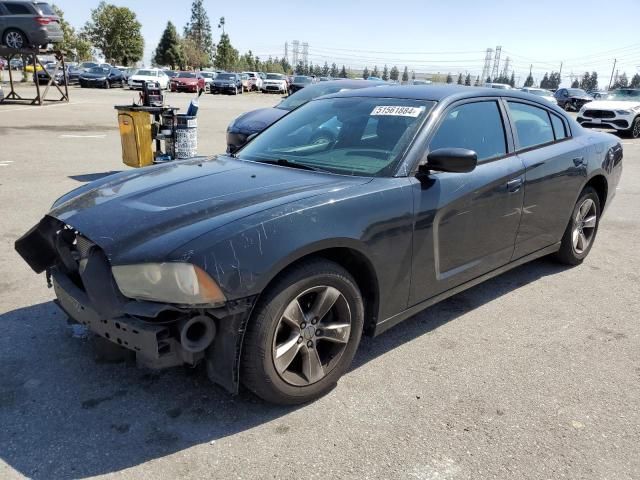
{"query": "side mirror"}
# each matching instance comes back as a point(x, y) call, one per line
point(455, 160)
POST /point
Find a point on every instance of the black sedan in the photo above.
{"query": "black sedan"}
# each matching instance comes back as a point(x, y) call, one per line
point(226, 83)
point(268, 266)
point(102, 77)
point(255, 121)
point(572, 99)
point(299, 82)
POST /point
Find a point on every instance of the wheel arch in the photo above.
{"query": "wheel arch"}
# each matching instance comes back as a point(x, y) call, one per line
point(599, 183)
point(16, 29)
point(349, 255)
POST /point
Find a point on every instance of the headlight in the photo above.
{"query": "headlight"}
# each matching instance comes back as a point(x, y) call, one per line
point(624, 112)
point(181, 283)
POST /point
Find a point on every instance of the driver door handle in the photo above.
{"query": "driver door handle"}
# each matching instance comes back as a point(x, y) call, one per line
point(514, 185)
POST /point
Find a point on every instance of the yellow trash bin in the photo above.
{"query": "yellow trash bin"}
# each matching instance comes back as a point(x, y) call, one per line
point(136, 137)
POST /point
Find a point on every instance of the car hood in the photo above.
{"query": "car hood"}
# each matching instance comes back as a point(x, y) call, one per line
point(143, 78)
point(144, 215)
point(613, 105)
point(222, 80)
point(581, 97)
point(188, 81)
point(256, 120)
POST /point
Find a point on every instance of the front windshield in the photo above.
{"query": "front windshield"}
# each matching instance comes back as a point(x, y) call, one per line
point(622, 95)
point(576, 91)
point(226, 76)
point(208, 75)
point(274, 76)
point(147, 73)
point(98, 70)
point(350, 136)
point(301, 80)
point(307, 94)
point(186, 75)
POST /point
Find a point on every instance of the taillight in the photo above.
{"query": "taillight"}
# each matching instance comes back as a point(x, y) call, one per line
point(44, 20)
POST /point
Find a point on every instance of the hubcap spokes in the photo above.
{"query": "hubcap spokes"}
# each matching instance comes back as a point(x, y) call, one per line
point(14, 40)
point(311, 335)
point(585, 226)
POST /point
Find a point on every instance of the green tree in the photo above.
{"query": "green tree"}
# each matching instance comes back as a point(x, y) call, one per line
point(449, 78)
point(467, 80)
point(115, 31)
point(169, 50)
point(199, 31)
point(405, 74)
point(192, 56)
point(226, 56)
point(376, 72)
point(413, 74)
point(622, 81)
point(299, 70)
point(635, 81)
point(512, 80)
point(394, 74)
point(544, 83)
point(585, 82)
point(343, 72)
point(477, 82)
point(529, 81)
point(385, 73)
point(325, 69)
point(334, 71)
point(460, 79)
point(593, 84)
point(77, 47)
point(575, 84)
point(365, 73)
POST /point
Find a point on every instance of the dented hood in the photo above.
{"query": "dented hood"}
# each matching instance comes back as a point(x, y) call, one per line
point(145, 214)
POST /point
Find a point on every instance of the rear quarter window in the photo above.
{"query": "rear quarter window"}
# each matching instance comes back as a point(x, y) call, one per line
point(532, 124)
point(45, 8)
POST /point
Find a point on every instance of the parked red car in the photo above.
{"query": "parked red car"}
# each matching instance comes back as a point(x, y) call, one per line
point(187, 82)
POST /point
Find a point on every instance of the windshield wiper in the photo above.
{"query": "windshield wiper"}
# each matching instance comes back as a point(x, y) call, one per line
point(287, 163)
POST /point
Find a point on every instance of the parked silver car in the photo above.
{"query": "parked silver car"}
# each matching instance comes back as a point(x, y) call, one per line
point(28, 23)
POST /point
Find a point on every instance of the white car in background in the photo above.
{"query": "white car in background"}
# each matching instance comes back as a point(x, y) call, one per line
point(619, 110)
point(275, 82)
point(208, 79)
point(255, 80)
point(148, 75)
point(501, 86)
point(541, 92)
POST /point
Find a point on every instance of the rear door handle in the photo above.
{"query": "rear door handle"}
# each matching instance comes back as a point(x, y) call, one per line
point(578, 161)
point(514, 185)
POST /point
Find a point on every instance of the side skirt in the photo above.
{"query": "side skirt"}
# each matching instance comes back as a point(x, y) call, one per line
point(386, 324)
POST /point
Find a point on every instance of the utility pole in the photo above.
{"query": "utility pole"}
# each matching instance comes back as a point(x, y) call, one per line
point(560, 73)
point(615, 60)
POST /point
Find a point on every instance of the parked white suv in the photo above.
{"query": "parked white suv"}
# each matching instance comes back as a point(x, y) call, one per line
point(620, 110)
point(148, 75)
point(275, 82)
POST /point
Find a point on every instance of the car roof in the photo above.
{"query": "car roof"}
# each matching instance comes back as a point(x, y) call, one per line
point(431, 92)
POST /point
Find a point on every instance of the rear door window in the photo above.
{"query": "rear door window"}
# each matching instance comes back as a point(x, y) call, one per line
point(532, 124)
point(17, 9)
point(475, 126)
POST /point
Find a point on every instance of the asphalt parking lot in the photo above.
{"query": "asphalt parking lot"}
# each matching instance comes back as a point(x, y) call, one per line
point(532, 375)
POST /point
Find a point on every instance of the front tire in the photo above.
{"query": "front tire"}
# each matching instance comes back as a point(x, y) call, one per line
point(303, 334)
point(581, 231)
point(634, 131)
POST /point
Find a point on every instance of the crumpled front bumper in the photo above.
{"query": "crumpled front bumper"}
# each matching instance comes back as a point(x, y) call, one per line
point(80, 274)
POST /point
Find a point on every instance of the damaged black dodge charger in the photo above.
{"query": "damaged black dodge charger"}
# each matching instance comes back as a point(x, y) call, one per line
point(270, 264)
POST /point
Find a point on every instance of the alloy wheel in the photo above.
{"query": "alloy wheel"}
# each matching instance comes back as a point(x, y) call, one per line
point(14, 40)
point(584, 226)
point(311, 335)
point(636, 129)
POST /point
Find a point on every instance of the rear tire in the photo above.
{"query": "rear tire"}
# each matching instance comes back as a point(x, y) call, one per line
point(14, 38)
point(581, 231)
point(316, 301)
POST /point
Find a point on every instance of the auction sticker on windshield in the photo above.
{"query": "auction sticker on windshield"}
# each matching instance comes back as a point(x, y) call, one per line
point(397, 111)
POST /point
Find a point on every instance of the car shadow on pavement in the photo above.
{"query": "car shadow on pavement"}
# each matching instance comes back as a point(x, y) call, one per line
point(65, 415)
point(90, 177)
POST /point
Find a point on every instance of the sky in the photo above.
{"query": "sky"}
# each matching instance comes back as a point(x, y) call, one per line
point(426, 35)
